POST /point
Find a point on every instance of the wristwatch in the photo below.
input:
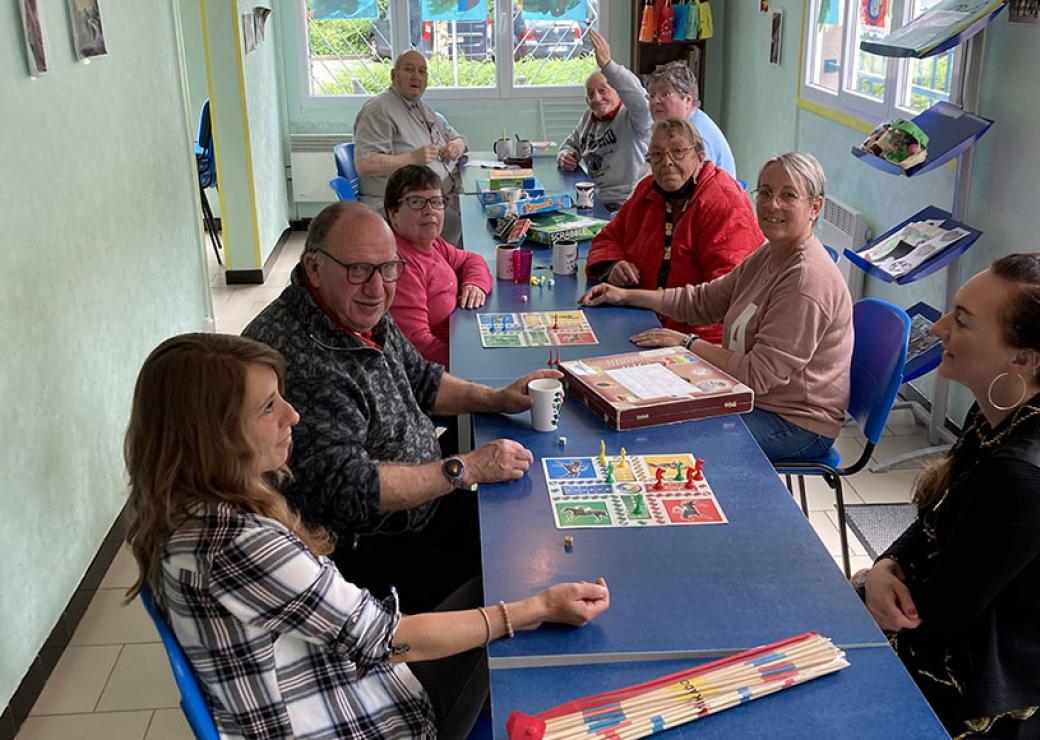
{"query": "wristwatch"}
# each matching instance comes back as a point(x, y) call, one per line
point(454, 469)
point(689, 340)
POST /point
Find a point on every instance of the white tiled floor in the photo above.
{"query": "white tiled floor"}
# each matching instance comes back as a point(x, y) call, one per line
point(113, 681)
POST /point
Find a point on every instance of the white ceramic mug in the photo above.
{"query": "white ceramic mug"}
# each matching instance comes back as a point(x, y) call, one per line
point(504, 262)
point(513, 195)
point(547, 398)
point(565, 257)
point(583, 194)
point(503, 148)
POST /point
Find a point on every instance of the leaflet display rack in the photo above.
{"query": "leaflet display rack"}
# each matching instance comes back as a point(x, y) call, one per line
point(952, 130)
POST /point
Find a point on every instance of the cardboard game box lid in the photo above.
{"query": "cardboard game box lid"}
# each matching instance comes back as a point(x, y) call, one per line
point(658, 386)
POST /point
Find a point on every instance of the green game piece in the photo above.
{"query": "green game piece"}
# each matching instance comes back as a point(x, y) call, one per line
point(678, 471)
point(610, 473)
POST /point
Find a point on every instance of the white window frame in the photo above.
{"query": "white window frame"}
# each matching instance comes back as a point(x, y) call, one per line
point(897, 75)
point(503, 89)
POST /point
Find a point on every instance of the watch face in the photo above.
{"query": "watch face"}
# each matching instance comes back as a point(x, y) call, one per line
point(453, 468)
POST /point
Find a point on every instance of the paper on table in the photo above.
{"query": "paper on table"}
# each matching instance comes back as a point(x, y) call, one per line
point(651, 381)
point(489, 164)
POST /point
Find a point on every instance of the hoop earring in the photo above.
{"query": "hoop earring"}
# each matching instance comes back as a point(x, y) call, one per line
point(1021, 398)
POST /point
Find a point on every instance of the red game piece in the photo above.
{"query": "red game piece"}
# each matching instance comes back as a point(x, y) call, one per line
point(689, 478)
point(556, 322)
point(697, 474)
point(550, 363)
point(659, 485)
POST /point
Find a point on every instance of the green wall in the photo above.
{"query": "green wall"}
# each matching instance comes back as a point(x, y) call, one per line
point(761, 118)
point(102, 259)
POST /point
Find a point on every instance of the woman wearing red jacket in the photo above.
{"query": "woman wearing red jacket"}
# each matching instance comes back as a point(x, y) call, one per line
point(688, 223)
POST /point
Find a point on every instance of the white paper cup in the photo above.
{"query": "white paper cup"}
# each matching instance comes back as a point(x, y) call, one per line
point(565, 257)
point(583, 194)
point(504, 262)
point(547, 395)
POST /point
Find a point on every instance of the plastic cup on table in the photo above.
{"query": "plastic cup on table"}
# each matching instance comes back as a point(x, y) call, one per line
point(522, 259)
point(547, 399)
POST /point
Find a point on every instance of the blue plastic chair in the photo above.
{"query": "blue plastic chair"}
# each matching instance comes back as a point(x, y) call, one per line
point(878, 356)
point(193, 703)
point(206, 167)
point(834, 253)
point(344, 154)
point(341, 187)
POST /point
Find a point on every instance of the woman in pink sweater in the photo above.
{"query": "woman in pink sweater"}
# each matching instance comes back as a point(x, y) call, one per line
point(786, 317)
point(439, 275)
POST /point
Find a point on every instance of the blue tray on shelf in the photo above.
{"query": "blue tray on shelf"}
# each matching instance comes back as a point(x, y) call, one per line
point(950, 131)
point(922, 363)
point(882, 49)
point(926, 268)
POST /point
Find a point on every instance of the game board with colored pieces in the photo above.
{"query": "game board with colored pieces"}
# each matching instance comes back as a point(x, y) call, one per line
point(630, 490)
point(535, 329)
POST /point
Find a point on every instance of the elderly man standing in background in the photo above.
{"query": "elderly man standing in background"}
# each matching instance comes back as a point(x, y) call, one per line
point(396, 128)
point(674, 94)
point(612, 135)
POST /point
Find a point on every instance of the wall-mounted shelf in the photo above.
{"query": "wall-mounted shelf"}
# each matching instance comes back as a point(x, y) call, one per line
point(951, 131)
point(896, 44)
point(926, 268)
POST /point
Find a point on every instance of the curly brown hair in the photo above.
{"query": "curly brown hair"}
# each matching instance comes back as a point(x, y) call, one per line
point(185, 445)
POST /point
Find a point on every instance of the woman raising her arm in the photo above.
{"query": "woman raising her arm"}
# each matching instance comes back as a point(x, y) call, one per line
point(282, 645)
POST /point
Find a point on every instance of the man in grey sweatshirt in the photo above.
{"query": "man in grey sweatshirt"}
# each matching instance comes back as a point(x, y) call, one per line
point(612, 135)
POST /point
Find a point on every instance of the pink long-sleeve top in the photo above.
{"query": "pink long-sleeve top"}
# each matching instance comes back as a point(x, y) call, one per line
point(428, 292)
point(787, 318)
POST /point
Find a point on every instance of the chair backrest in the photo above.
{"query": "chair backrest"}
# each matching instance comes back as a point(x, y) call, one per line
point(833, 253)
point(344, 154)
point(878, 356)
point(205, 160)
point(193, 703)
point(341, 187)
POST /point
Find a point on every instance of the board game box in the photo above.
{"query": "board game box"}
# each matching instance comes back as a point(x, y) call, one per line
point(535, 329)
point(514, 178)
point(487, 196)
point(630, 491)
point(551, 227)
point(658, 386)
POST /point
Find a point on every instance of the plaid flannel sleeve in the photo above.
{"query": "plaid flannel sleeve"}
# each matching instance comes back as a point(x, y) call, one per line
point(268, 579)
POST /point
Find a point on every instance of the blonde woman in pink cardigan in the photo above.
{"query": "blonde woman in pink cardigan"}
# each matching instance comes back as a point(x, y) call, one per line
point(786, 317)
point(439, 276)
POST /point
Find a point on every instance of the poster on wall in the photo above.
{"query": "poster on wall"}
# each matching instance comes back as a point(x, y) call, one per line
point(454, 10)
point(260, 23)
point(88, 38)
point(345, 9)
point(776, 35)
point(248, 32)
point(556, 10)
point(874, 12)
point(1024, 11)
point(35, 44)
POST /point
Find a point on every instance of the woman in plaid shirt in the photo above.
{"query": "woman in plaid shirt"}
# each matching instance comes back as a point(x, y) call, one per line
point(282, 645)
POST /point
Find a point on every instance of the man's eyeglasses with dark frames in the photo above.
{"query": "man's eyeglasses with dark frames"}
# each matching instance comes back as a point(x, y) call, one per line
point(359, 273)
point(417, 202)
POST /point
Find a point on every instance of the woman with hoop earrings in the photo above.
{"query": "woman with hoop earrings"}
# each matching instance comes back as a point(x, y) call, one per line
point(959, 591)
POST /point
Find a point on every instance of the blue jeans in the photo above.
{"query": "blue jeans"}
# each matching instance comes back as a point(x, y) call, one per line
point(782, 440)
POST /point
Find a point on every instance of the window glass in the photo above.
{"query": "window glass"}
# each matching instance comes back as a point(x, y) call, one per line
point(349, 51)
point(549, 41)
point(873, 22)
point(928, 80)
point(457, 38)
point(825, 60)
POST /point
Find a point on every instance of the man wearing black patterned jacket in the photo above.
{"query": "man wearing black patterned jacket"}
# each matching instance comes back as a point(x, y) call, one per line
point(365, 460)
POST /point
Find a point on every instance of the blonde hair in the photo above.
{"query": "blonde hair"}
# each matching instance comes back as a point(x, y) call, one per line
point(186, 445)
point(804, 169)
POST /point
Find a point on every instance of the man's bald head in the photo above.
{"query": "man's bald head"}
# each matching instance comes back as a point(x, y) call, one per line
point(409, 75)
point(344, 240)
point(602, 99)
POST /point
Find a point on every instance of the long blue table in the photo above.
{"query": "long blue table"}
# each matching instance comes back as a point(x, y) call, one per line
point(703, 590)
point(872, 698)
point(677, 592)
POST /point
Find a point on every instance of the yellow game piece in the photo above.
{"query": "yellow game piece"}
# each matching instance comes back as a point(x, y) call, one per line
point(602, 452)
point(624, 455)
point(534, 281)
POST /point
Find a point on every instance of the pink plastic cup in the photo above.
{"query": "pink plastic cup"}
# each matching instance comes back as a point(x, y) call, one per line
point(522, 259)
